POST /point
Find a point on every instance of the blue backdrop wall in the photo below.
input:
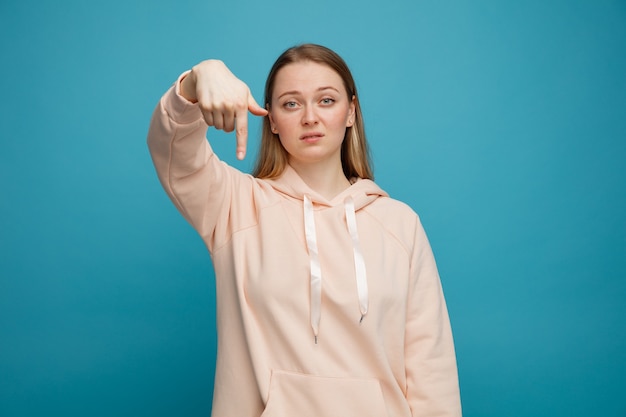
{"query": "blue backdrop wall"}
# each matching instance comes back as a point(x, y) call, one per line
point(502, 123)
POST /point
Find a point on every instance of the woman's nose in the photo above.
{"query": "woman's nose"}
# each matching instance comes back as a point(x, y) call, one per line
point(309, 116)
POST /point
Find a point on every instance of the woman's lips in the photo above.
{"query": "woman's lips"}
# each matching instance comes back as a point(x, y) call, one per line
point(311, 137)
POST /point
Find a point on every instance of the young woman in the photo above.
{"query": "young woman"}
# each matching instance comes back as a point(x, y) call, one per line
point(329, 303)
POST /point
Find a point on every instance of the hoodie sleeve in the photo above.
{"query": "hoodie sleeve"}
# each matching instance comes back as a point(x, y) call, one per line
point(198, 183)
point(432, 379)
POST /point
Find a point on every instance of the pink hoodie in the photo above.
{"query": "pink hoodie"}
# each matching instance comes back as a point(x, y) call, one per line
point(325, 308)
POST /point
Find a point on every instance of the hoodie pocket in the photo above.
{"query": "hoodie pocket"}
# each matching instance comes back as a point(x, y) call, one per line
point(300, 395)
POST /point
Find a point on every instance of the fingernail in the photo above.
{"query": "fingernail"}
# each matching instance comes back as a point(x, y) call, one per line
point(240, 155)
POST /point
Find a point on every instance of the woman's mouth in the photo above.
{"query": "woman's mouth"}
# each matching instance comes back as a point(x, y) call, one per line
point(311, 137)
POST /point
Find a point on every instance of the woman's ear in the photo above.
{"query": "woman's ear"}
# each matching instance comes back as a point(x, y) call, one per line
point(352, 113)
point(271, 119)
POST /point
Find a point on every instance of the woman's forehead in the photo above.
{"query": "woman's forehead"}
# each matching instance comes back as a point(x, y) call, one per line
point(306, 76)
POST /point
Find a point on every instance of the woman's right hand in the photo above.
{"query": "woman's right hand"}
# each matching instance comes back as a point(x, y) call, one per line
point(223, 98)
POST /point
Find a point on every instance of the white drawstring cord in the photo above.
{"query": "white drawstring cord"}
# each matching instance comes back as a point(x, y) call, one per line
point(359, 261)
point(316, 270)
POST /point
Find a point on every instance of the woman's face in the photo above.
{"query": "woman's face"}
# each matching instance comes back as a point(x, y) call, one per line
point(310, 111)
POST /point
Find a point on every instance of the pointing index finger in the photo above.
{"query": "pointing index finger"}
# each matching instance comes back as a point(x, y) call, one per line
point(241, 117)
point(241, 120)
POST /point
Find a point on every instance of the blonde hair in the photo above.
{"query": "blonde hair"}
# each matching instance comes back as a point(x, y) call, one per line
point(272, 157)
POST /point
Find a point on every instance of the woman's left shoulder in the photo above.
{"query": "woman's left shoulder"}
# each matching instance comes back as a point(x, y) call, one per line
point(396, 217)
point(388, 206)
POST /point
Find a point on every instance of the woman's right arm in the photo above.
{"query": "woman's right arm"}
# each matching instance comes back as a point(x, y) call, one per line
point(194, 178)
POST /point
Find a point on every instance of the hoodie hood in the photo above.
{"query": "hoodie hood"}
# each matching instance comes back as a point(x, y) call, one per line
point(360, 194)
point(363, 192)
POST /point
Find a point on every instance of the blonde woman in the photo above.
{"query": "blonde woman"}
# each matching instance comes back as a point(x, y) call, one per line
point(329, 303)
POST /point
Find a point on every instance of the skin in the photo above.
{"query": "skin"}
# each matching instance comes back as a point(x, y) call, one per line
point(310, 112)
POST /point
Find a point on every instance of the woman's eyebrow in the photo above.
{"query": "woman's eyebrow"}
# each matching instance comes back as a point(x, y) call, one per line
point(296, 92)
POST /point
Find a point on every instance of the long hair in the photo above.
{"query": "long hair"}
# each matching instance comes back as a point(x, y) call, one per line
point(272, 157)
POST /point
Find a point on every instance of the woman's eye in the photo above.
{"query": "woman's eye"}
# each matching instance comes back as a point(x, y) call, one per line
point(290, 105)
point(327, 101)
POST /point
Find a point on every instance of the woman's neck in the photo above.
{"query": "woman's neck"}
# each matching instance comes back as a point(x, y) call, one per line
point(327, 179)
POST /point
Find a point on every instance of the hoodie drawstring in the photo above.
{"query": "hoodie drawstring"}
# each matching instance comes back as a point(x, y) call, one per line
point(315, 266)
point(316, 269)
point(359, 262)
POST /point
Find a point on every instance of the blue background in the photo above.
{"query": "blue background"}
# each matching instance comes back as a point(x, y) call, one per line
point(502, 123)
